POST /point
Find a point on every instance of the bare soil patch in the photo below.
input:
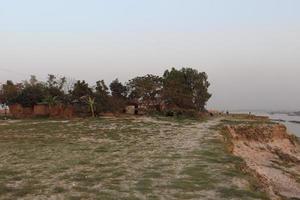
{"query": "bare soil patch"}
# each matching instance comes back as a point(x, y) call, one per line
point(272, 155)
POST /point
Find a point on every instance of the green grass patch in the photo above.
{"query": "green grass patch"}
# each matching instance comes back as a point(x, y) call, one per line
point(229, 193)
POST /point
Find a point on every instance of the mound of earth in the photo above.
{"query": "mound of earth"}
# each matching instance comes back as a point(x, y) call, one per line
point(271, 154)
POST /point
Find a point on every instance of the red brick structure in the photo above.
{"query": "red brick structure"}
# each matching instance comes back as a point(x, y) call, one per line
point(55, 111)
point(41, 110)
point(68, 112)
point(61, 111)
point(18, 111)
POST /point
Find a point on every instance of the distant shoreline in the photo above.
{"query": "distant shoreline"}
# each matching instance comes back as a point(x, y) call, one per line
point(292, 122)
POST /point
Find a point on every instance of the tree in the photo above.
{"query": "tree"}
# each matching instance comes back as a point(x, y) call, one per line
point(90, 101)
point(51, 101)
point(118, 99)
point(101, 88)
point(31, 95)
point(145, 89)
point(80, 94)
point(198, 83)
point(176, 91)
point(102, 97)
point(55, 86)
point(34, 92)
point(186, 88)
point(81, 89)
point(118, 90)
point(9, 92)
point(69, 84)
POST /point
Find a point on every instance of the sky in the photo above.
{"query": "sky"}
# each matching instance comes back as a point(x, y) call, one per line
point(250, 49)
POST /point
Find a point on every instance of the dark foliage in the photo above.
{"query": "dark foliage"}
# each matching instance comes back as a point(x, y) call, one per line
point(186, 88)
point(102, 97)
point(145, 89)
point(177, 92)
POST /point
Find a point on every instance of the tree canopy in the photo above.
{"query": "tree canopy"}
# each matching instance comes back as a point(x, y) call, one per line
point(186, 88)
point(145, 88)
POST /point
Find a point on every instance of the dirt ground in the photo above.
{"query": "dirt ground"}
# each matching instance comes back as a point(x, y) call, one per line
point(272, 155)
point(120, 158)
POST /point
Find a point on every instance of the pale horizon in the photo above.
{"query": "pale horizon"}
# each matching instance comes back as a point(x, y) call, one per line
point(249, 50)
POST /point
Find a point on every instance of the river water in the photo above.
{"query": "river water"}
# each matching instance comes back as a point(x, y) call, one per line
point(293, 128)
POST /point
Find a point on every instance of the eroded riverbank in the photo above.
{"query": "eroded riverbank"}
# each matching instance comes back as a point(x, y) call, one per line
point(270, 153)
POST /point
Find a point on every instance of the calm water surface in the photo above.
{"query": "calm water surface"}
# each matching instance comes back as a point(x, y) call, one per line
point(293, 128)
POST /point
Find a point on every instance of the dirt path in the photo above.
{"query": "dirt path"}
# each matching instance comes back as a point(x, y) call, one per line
point(113, 158)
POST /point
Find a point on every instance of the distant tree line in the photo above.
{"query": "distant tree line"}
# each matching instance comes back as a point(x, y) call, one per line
point(184, 89)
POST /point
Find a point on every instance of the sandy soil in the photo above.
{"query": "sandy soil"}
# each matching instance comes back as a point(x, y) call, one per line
point(271, 155)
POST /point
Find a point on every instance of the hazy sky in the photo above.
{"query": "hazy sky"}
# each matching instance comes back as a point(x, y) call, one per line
point(249, 48)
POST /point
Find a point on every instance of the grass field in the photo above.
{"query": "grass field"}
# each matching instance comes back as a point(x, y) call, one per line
point(119, 158)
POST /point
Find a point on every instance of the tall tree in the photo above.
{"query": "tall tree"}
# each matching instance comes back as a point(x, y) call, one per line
point(117, 89)
point(145, 89)
point(90, 101)
point(102, 97)
point(186, 88)
point(81, 89)
point(176, 91)
point(33, 92)
point(9, 92)
point(118, 99)
point(198, 83)
point(54, 87)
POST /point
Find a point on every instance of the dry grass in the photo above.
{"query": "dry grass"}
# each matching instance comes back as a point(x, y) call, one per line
point(118, 158)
